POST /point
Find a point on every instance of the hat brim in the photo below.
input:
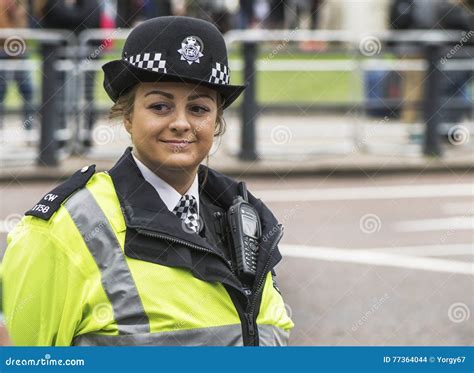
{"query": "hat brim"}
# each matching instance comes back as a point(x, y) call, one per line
point(120, 75)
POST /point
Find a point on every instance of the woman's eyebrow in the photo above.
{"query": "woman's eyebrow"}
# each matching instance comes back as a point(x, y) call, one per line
point(157, 92)
point(193, 97)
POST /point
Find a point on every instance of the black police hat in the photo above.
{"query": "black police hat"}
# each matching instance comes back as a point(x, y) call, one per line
point(172, 49)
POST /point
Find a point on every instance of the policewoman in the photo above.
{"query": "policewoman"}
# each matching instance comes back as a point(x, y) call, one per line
point(141, 255)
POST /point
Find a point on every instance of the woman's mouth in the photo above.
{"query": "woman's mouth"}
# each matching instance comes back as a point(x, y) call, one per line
point(177, 144)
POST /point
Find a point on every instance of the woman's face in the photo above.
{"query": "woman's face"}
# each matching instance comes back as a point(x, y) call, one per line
point(172, 124)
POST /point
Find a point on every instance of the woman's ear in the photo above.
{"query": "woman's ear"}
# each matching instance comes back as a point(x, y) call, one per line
point(127, 121)
point(128, 112)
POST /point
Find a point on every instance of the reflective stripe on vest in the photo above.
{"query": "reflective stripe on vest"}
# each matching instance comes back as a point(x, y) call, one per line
point(227, 335)
point(118, 283)
point(270, 335)
point(117, 280)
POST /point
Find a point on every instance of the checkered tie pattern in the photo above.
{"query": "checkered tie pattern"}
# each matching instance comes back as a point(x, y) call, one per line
point(186, 210)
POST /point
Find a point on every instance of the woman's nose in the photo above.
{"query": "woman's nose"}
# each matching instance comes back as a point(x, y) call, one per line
point(180, 123)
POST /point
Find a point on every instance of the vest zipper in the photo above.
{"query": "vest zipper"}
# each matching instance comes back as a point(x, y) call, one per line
point(250, 324)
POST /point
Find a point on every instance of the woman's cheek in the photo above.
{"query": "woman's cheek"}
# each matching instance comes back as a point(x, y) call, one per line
point(150, 129)
point(207, 135)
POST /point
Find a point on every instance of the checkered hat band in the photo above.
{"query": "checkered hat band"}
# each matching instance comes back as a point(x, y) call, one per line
point(220, 74)
point(148, 61)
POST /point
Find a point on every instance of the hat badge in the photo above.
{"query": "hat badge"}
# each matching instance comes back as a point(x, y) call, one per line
point(191, 49)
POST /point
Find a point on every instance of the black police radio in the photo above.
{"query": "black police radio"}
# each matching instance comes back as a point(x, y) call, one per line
point(245, 232)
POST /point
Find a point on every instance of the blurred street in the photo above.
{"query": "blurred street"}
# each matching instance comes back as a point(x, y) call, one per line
point(355, 128)
point(372, 262)
point(379, 260)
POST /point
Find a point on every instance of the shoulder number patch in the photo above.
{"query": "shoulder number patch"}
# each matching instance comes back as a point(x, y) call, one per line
point(51, 202)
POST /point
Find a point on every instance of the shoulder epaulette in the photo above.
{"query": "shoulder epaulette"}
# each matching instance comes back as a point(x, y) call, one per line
point(51, 202)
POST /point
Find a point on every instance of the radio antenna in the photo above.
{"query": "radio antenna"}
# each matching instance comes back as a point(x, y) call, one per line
point(243, 191)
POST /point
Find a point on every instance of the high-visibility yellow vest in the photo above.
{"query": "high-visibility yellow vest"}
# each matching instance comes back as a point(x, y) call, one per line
point(67, 281)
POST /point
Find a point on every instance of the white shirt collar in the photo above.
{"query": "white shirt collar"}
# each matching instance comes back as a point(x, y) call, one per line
point(168, 194)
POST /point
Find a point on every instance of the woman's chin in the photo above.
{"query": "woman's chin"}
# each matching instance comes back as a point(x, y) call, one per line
point(180, 161)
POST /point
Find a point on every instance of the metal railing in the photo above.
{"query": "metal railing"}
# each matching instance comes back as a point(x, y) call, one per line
point(430, 43)
point(51, 41)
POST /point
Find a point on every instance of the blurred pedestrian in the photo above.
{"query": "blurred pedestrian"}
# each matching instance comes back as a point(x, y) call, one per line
point(129, 13)
point(218, 12)
point(76, 16)
point(301, 15)
point(406, 15)
point(245, 14)
point(430, 15)
point(456, 95)
point(13, 14)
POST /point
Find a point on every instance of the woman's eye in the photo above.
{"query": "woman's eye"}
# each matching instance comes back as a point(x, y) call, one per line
point(160, 107)
point(199, 109)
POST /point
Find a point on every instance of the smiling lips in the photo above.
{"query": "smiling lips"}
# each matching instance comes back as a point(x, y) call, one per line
point(177, 142)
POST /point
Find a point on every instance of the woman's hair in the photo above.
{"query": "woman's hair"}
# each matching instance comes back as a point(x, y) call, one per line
point(123, 108)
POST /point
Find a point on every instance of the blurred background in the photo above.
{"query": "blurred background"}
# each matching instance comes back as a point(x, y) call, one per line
point(355, 129)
